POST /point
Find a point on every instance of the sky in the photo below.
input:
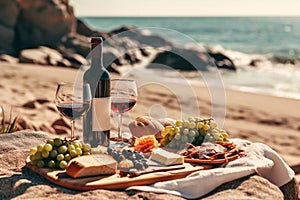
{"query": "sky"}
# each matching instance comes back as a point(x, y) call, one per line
point(186, 7)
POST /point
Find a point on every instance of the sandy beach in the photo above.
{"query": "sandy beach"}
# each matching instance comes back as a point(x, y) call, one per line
point(30, 89)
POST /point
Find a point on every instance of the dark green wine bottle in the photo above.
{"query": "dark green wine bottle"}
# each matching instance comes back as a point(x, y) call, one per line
point(96, 123)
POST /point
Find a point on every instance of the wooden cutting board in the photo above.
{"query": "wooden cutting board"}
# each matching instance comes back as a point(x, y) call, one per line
point(60, 177)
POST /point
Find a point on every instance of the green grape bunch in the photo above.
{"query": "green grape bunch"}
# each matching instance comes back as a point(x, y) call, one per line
point(195, 130)
point(56, 153)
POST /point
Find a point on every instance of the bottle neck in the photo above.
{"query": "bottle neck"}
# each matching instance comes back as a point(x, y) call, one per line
point(97, 56)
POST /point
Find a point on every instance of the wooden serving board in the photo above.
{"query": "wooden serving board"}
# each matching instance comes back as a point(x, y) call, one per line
point(60, 177)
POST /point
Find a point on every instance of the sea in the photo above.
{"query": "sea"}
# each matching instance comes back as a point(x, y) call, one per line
point(242, 39)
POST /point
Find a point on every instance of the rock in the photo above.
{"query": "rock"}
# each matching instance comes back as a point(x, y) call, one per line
point(8, 16)
point(43, 56)
point(182, 59)
point(9, 59)
point(18, 182)
point(79, 44)
point(43, 22)
point(74, 60)
point(8, 13)
point(144, 37)
point(222, 61)
point(252, 188)
point(83, 29)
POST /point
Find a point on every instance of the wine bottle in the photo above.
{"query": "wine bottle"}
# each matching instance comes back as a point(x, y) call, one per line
point(96, 124)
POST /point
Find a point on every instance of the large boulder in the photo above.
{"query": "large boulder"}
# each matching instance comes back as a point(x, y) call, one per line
point(182, 59)
point(43, 22)
point(189, 60)
point(8, 17)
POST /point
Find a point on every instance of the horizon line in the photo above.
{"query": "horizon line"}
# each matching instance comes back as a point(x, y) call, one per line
point(185, 16)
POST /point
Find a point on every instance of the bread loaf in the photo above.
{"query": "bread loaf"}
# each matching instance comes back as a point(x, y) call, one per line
point(146, 125)
point(91, 165)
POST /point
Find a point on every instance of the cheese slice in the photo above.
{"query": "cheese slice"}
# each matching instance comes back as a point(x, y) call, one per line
point(91, 165)
point(167, 158)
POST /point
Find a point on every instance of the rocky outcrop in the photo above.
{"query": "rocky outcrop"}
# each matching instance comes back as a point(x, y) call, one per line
point(47, 32)
point(190, 60)
point(19, 182)
point(8, 18)
point(43, 22)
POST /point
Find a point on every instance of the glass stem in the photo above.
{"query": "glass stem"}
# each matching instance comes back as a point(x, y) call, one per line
point(120, 138)
point(72, 128)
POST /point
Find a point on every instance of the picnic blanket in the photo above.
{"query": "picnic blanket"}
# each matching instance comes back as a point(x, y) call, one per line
point(260, 159)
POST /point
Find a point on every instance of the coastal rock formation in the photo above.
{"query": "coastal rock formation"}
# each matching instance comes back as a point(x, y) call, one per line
point(19, 182)
point(26, 25)
point(43, 22)
point(8, 17)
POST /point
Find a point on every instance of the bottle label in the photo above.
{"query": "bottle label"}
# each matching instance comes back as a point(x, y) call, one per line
point(101, 114)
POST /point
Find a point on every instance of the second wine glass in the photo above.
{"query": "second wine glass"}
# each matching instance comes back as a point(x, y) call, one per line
point(123, 99)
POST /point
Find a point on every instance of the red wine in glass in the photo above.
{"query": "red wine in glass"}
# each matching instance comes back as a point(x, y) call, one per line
point(121, 105)
point(73, 110)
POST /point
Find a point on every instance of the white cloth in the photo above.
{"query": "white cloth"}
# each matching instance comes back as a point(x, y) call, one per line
point(260, 159)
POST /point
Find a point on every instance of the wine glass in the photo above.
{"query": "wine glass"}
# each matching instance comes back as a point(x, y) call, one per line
point(73, 100)
point(123, 99)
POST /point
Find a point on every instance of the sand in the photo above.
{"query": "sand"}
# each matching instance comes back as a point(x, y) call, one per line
point(30, 89)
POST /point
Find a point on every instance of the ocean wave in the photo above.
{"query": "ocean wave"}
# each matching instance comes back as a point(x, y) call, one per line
point(245, 59)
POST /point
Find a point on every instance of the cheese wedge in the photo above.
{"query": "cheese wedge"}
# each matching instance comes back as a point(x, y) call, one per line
point(91, 165)
point(167, 158)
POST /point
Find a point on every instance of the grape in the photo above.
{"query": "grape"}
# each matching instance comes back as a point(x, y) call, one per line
point(33, 150)
point(53, 154)
point(40, 164)
point(186, 131)
point(200, 125)
point(73, 153)
point(78, 151)
point(68, 157)
point(206, 127)
point(168, 128)
point(60, 157)
point(86, 147)
point(62, 149)
point(192, 133)
point(192, 125)
point(63, 164)
point(50, 141)
point(38, 156)
point(54, 151)
point(71, 147)
point(51, 164)
point(185, 124)
point(32, 157)
point(178, 123)
point(191, 119)
point(48, 147)
point(40, 147)
point(77, 144)
point(45, 154)
point(213, 124)
point(57, 142)
point(177, 136)
point(176, 130)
